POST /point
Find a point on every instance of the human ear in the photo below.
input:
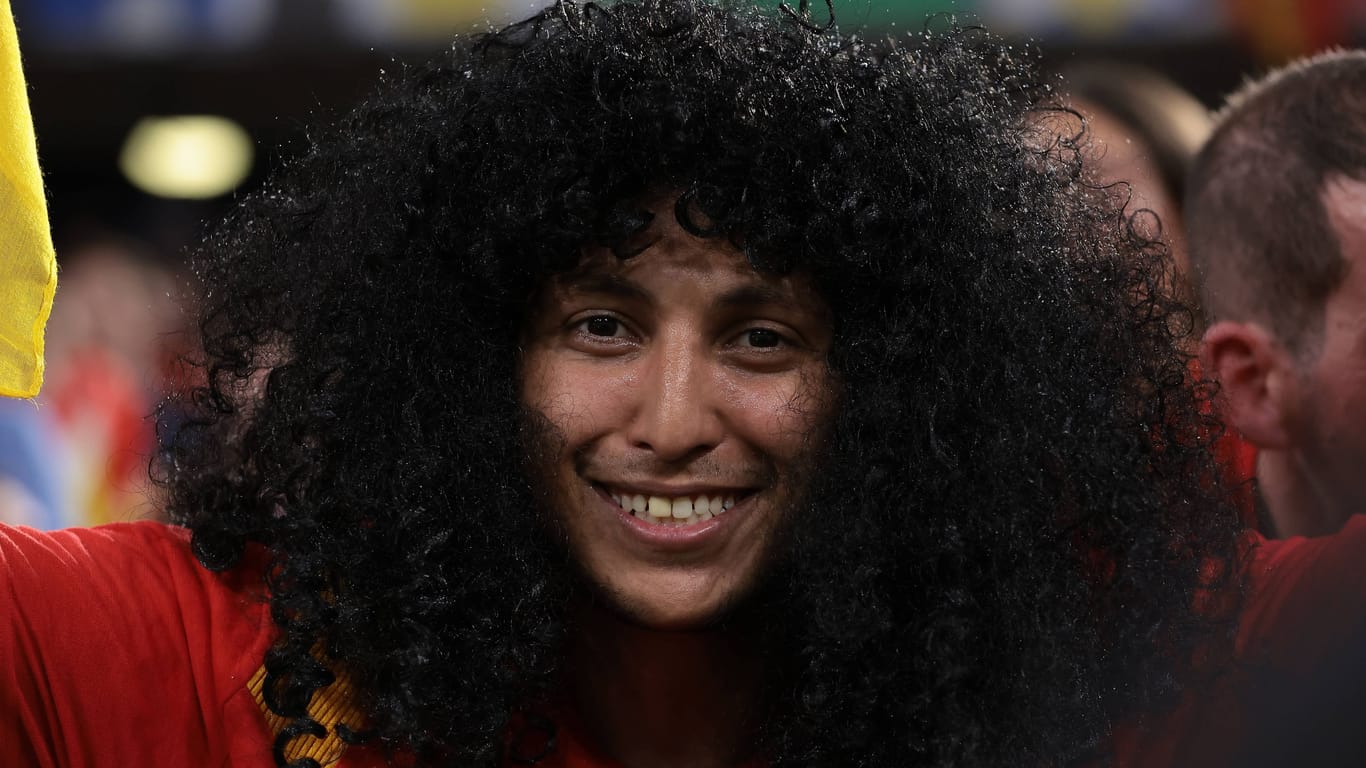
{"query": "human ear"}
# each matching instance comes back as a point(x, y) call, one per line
point(1256, 376)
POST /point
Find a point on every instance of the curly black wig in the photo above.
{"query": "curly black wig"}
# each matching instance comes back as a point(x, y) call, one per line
point(1016, 509)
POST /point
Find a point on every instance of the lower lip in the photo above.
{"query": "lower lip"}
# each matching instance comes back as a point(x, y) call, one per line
point(670, 536)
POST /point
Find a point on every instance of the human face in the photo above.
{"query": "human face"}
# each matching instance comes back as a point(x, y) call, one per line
point(677, 379)
point(1332, 429)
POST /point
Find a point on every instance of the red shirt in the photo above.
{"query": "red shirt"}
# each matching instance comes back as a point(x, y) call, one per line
point(1296, 694)
point(118, 649)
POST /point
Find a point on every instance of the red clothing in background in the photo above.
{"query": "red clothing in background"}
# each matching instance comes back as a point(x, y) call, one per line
point(1237, 458)
point(118, 649)
point(1238, 463)
point(1296, 694)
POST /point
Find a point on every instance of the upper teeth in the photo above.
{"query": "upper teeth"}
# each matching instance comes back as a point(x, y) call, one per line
point(679, 509)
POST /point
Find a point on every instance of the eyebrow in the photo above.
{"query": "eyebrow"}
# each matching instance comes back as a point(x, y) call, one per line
point(609, 284)
point(741, 297)
point(753, 295)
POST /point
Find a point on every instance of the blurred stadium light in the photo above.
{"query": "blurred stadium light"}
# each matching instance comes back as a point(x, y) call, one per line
point(189, 157)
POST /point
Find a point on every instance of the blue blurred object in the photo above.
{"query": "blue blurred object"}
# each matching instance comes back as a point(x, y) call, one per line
point(30, 458)
point(72, 19)
point(133, 25)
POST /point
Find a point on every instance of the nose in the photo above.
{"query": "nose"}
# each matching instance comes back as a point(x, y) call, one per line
point(677, 417)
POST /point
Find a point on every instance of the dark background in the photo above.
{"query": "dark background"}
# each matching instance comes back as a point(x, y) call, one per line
point(277, 66)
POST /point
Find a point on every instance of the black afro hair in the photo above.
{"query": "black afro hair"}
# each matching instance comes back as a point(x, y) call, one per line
point(1016, 505)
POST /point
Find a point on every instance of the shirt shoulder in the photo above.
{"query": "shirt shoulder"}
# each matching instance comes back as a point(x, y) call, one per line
point(1305, 596)
point(117, 648)
point(1294, 690)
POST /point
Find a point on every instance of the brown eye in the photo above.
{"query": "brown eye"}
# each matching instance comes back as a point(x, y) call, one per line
point(763, 338)
point(602, 325)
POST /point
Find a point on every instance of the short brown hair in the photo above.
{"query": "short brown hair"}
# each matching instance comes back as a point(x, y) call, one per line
point(1261, 244)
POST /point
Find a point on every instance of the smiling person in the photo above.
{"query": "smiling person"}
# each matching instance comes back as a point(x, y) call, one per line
point(680, 390)
point(679, 386)
point(661, 385)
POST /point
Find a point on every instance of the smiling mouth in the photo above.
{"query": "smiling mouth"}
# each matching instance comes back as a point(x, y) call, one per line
point(674, 510)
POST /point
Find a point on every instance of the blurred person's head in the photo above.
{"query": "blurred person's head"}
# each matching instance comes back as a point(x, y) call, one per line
point(115, 322)
point(1276, 215)
point(116, 300)
point(1144, 131)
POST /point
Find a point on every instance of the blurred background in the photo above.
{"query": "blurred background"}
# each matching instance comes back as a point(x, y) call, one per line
point(152, 114)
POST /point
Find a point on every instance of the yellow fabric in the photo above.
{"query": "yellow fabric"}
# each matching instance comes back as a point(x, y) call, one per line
point(329, 706)
point(28, 267)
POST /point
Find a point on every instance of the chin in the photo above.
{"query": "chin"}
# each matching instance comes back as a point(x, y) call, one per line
point(681, 613)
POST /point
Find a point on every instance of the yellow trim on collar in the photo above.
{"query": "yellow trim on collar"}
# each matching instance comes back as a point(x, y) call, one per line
point(330, 706)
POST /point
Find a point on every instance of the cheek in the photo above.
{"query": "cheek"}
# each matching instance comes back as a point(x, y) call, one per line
point(1335, 403)
point(779, 414)
point(1339, 389)
point(579, 399)
point(1344, 404)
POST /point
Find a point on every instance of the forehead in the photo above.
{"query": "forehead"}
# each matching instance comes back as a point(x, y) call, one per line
point(669, 253)
point(672, 262)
